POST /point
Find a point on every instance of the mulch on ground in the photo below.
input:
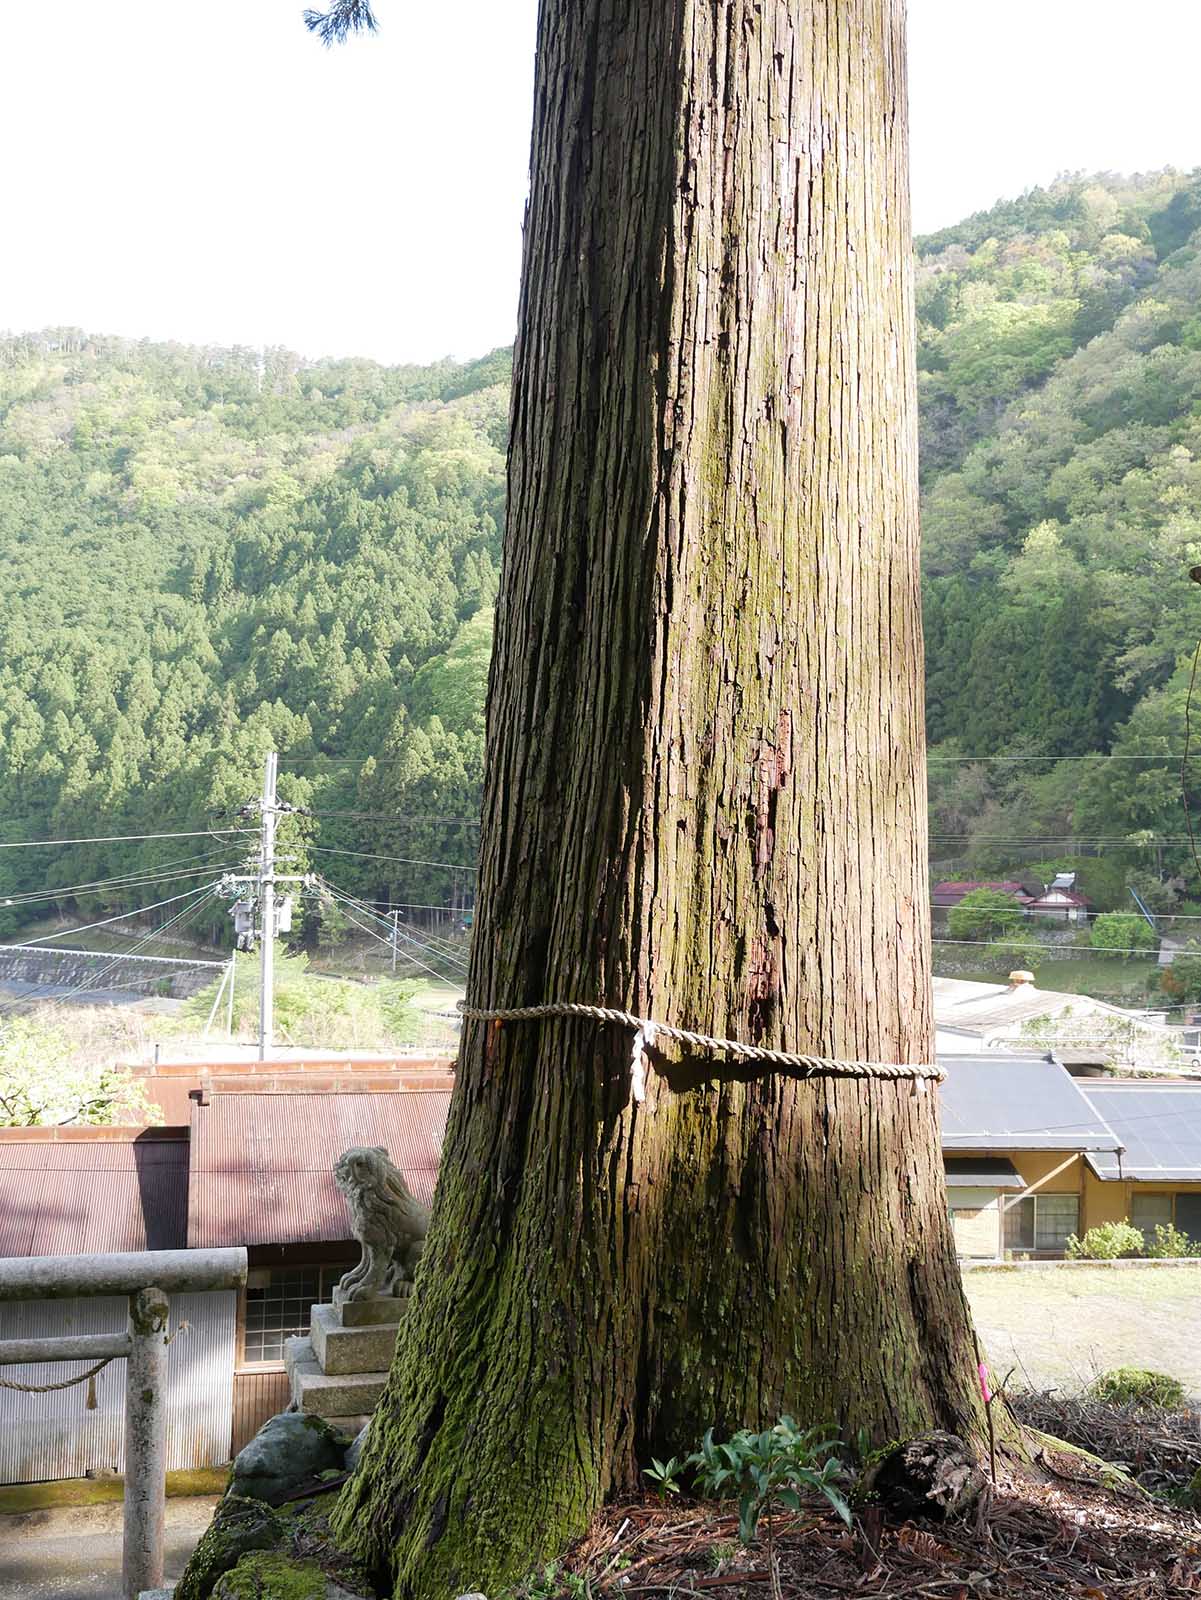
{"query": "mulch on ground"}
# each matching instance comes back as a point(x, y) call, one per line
point(1026, 1540)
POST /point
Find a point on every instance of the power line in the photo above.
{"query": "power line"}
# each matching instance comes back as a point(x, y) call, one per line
point(1050, 951)
point(110, 889)
point(405, 861)
point(1100, 755)
point(92, 981)
point(117, 838)
point(345, 901)
point(392, 816)
point(119, 880)
point(1064, 841)
point(125, 916)
point(452, 958)
point(387, 942)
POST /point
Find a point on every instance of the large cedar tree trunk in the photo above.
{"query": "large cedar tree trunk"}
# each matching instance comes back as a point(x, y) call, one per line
point(704, 802)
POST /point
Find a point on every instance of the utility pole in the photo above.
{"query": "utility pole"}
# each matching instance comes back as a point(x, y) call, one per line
point(257, 913)
point(395, 937)
point(267, 906)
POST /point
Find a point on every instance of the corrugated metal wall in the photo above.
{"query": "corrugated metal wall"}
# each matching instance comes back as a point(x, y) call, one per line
point(55, 1436)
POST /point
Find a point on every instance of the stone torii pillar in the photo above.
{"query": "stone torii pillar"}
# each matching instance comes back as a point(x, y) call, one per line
point(147, 1277)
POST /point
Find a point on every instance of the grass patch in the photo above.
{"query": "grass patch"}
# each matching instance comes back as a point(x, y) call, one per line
point(1063, 1329)
point(19, 1497)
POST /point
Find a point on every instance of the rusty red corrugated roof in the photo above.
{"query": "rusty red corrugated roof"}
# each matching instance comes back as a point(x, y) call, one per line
point(261, 1165)
point(124, 1190)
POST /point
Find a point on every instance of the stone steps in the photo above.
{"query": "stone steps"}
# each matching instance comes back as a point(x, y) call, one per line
point(337, 1397)
point(339, 1371)
point(340, 1350)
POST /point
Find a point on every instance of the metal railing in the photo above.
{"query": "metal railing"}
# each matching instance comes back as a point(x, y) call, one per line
point(146, 1277)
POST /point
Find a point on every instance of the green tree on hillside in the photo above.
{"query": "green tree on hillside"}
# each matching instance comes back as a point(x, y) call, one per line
point(985, 914)
point(1122, 932)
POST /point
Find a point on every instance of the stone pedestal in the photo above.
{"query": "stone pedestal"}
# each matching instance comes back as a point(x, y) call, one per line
point(339, 1371)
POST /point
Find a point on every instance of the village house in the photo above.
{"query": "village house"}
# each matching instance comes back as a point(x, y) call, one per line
point(1017, 1014)
point(1033, 1155)
point(1060, 901)
point(254, 1169)
point(945, 896)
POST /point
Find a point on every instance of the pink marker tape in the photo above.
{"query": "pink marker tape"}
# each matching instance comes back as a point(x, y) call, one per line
point(984, 1389)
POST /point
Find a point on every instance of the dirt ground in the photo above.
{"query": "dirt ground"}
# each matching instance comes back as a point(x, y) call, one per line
point(74, 1552)
point(1059, 1329)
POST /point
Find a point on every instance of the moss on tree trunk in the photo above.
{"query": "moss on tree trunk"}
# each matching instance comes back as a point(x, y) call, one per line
point(704, 802)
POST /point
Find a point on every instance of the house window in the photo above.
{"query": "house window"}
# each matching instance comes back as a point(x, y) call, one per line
point(1041, 1222)
point(279, 1306)
point(1180, 1210)
point(1150, 1211)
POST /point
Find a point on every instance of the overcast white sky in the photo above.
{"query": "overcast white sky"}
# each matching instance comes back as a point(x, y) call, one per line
point(203, 170)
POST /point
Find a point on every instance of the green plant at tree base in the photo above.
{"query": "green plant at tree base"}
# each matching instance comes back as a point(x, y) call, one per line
point(550, 1584)
point(768, 1471)
point(1137, 1386)
point(665, 1475)
point(1106, 1242)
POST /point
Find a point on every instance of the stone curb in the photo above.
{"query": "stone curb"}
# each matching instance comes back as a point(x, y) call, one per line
point(1124, 1262)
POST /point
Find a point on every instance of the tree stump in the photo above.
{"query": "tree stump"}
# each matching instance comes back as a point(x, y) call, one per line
point(932, 1475)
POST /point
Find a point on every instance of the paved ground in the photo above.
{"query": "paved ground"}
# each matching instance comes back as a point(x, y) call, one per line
point(1060, 1328)
point(74, 1552)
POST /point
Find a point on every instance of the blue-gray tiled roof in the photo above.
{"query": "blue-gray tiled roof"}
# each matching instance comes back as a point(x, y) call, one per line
point(1159, 1126)
point(1010, 1102)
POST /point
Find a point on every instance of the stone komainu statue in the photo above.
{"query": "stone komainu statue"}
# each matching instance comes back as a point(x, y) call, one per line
point(386, 1220)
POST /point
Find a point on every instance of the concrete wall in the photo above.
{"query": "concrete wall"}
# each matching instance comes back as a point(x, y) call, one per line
point(56, 969)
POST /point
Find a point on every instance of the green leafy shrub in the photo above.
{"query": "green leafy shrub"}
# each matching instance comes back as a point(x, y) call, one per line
point(1169, 1243)
point(1137, 1386)
point(1106, 1242)
point(1118, 933)
point(770, 1469)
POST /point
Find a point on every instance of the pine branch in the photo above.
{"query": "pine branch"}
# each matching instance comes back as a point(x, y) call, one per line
point(342, 19)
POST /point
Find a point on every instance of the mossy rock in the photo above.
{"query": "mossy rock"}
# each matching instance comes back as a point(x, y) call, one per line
point(266, 1575)
point(239, 1526)
point(1138, 1386)
point(290, 1452)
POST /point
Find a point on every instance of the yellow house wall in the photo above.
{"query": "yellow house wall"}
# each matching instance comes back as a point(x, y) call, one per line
point(1035, 1168)
point(1110, 1202)
point(1042, 1172)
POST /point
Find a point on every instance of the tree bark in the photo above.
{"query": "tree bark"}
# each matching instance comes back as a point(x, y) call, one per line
point(704, 802)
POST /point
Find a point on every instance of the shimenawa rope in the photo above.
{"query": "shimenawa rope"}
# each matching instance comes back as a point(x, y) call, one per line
point(87, 1377)
point(66, 1383)
point(647, 1032)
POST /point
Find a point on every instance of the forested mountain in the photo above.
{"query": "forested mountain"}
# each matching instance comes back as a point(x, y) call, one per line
point(1060, 381)
point(208, 553)
point(205, 554)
